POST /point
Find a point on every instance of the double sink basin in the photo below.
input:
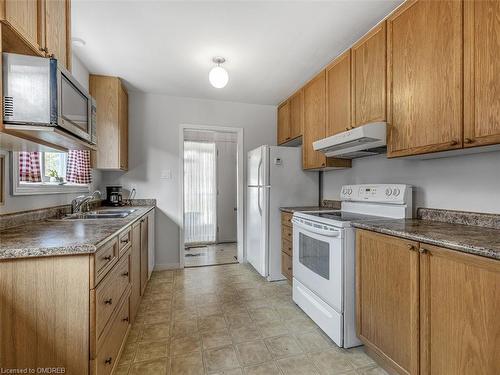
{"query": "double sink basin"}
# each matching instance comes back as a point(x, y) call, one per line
point(101, 214)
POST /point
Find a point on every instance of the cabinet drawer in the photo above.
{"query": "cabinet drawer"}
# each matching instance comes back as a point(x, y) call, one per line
point(286, 218)
point(286, 246)
point(124, 242)
point(104, 259)
point(286, 233)
point(286, 265)
point(108, 294)
point(110, 349)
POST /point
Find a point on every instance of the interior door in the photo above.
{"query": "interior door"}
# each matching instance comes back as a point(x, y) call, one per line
point(226, 191)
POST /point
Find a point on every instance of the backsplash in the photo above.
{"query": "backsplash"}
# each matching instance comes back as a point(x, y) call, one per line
point(19, 218)
point(460, 217)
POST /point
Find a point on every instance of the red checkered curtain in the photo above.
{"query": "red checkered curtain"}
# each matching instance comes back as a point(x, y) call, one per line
point(78, 169)
point(29, 167)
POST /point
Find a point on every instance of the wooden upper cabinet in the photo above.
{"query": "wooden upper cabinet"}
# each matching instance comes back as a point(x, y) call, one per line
point(459, 304)
point(368, 59)
point(314, 121)
point(123, 121)
point(338, 87)
point(23, 16)
point(425, 77)
point(284, 122)
point(387, 299)
point(57, 30)
point(482, 73)
point(112, 122)
point(291, 118)
point(296, 114)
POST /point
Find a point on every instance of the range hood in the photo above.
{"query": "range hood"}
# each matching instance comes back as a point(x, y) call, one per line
point(365, 140)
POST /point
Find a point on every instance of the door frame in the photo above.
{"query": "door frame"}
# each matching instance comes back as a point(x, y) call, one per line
point(239, 188)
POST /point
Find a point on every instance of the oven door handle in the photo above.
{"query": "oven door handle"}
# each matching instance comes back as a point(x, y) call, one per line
point(308, 228)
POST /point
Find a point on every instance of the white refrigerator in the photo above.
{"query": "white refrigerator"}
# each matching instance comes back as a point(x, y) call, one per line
point(274, 179)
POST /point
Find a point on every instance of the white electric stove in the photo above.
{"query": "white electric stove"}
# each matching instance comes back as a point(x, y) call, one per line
point(324, 255)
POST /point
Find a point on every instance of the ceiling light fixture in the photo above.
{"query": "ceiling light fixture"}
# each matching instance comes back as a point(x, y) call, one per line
point(218, 76)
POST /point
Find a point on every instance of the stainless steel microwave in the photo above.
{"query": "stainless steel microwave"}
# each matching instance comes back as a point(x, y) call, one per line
point(39, 91)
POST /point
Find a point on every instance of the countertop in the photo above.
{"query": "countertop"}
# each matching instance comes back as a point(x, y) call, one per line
point(465, 238)
point(63, 237)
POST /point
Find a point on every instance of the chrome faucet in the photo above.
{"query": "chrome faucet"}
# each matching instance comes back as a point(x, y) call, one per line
point(78, 202)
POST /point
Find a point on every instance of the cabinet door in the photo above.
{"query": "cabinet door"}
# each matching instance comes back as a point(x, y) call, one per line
point(482, 73)
point(387, 297)
point(459, 301)
point(338, 88)
point(314, 121)
point(425, 77)
point(283, 123)
point(369, 77)
point(135, 271)
point(123, 121)
point(56, 29)
point(23, 16)
point(296, 114)
point(144, 254)
point(105, 90)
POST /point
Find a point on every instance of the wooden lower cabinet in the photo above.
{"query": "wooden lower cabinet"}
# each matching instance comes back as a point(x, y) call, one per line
point(144, 254)
point(287, 245)
point(459, 305)
point(135, 270)
point(427, 310)
point(72, 311)
point(387, 298)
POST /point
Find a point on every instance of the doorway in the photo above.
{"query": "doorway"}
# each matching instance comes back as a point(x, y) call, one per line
point(210, 196)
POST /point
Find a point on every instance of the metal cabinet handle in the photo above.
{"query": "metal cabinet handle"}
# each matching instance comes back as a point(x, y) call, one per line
point(289, 268)
point(109, 301)
point(412, 247)
point(125, 274)
point(108, 361)
point(423, 251)
point(454, 142)
point(468, 140)
point(108, 257)
point(126, 319)
point(124, 241)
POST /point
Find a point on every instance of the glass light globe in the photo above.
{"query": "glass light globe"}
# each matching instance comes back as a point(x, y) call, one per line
point(218, 77)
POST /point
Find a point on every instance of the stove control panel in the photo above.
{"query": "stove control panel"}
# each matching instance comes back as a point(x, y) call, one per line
point(381, 193)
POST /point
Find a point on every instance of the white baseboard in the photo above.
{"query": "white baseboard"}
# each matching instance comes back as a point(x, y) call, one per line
point(167, 266)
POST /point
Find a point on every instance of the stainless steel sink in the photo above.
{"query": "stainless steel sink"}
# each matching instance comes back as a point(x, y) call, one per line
point(101, 214)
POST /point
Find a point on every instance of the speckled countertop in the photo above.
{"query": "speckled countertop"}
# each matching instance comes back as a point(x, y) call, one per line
point(63, 237)
point(465, 238)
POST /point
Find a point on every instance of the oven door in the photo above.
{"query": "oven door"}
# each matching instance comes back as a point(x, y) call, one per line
point(74, 105)
point(317, 261)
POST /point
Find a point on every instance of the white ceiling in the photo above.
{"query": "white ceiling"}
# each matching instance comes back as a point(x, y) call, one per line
point(271, 47)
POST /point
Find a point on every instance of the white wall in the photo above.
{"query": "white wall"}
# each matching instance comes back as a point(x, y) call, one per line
point(468, 182)
point(23, 203)
point(154, 146)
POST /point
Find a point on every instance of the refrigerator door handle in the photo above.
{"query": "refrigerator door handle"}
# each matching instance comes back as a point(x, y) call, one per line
point(258, 188)
point(258, 201)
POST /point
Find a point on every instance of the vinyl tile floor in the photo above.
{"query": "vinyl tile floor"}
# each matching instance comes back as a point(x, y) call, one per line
point(228, 320)
point(210, 255)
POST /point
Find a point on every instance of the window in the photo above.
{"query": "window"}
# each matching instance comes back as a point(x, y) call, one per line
point(50, 172)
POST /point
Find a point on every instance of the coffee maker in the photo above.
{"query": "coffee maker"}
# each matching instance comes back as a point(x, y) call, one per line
point(114, 195)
